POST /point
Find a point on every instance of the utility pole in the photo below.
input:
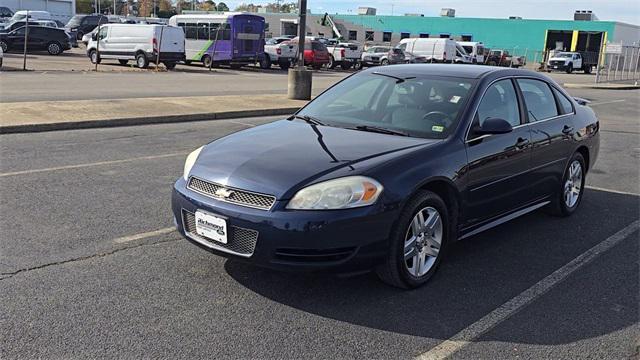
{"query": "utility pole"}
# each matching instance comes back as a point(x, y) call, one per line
point(300, 78)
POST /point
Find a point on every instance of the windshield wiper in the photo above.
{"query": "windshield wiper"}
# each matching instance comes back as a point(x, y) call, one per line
point(309, 119)
point(380, 130)
point(399, 80)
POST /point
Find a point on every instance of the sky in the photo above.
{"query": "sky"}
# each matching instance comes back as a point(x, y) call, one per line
point(627, 11)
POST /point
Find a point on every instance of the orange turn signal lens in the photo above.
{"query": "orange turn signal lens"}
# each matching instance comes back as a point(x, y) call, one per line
point(370, 190)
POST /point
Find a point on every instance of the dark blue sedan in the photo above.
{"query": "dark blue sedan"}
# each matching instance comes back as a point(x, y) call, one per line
point(386, 168)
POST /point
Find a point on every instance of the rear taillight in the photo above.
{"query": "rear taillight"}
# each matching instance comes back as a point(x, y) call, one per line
point(279, 51)
point(444, 55)
point(154, 43)
point(342, 53)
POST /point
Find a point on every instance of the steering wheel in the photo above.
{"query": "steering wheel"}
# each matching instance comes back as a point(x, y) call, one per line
point(440, 118)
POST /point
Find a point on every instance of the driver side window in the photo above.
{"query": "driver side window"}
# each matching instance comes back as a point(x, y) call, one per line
point(103, 33)
point(500, 101)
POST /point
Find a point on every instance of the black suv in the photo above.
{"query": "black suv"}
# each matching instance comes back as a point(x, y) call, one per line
point(83, 24)
point(54, 40)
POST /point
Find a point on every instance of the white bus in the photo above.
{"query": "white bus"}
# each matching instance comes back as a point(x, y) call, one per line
point(227, 38)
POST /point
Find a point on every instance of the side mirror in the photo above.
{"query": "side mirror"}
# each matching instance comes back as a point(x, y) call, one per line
point(494, 126)
point(94, 37)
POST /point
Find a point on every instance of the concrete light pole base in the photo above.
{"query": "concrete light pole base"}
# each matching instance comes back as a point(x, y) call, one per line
point(299, 84)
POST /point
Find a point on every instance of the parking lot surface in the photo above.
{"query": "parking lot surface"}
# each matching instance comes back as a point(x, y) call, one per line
point(90, 265)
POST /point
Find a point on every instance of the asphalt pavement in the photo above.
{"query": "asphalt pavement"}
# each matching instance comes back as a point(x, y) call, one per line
point(90, 267)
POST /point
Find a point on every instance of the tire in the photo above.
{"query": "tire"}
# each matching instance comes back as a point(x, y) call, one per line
point(492, 63)
point(123, 61)
point(141, 61)
point(332, 62)
point(346, 65)
point(206, 60)
point(587, 69)
point(316, 66)
point(569, 196)
point(79, 35)
point(284, 65)
point(265, 63)
point(54, 48)
point(187, 62)
point(236, 66)
point(93, 56)
point(357, 66)
point(384, 62)
point(170, 65)
point(570, 69)
point(423, 252)
point(4, 46)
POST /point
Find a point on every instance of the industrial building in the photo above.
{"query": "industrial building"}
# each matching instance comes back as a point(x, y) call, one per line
point(61, 10)
point(523, 36)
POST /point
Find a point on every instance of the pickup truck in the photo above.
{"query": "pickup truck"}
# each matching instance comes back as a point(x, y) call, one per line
point(343, 53)
point(503, 58)
point(569, 61)
point(278, 51)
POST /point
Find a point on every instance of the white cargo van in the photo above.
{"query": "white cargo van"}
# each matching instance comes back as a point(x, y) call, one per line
point(138, 42)
point(475, 49)
point(434, 49)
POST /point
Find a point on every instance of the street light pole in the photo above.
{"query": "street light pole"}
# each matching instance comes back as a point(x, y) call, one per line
point(299, 86)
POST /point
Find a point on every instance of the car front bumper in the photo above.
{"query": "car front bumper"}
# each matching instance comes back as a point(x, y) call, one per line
point(557, 67)
point(339, 241)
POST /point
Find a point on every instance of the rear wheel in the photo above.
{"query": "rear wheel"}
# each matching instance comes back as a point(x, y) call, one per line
point(4, 46)
point(284, 65)
point(93, 56)
point(79, 35)
point(570, 69)
point(316, 66)
point(332, 63)
point(491, 63)
point(265, 62)
point(187, 62)
point(123, 61)
point(346, 65)
point(236, 66)
point(357, 66)
point(141, 61)
point(417, 242)
point(567, 199)
point(54, 48)
point(384, 62)
point(170, 65)
point(587, 69)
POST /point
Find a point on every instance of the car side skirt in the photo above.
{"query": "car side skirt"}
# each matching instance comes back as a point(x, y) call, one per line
point(501, 220)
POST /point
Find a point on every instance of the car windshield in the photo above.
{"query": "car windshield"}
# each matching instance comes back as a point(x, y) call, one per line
point(564, 55)
point(420, 106)
point(75, 21)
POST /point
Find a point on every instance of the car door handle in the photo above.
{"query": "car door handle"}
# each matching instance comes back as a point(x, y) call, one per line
point(522, 142)
point(567, 129)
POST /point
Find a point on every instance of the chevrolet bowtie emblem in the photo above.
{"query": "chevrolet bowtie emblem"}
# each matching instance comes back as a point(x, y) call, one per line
point(223, 193)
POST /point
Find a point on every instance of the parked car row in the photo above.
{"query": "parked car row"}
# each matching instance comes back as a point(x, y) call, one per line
point(53, 40)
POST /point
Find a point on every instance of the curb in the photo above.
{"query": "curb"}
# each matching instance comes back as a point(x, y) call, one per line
point(602, 87)
point(91, 124)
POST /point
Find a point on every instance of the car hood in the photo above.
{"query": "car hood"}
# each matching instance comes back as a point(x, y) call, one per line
point(558, 59)
point(282, 156)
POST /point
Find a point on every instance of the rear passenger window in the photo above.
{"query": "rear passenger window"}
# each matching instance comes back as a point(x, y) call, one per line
point(500, 101)
point(538, 98)
point(565, 104)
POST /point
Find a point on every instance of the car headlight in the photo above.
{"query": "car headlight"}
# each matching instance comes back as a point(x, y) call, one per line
point(191, 160)
point(342, 193)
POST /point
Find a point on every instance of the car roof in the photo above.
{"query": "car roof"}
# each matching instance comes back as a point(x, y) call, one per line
point(450, 70)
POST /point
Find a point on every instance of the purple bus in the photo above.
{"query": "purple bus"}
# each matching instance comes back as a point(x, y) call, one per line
point(235, 39)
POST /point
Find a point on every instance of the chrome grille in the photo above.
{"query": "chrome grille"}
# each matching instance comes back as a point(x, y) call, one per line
point(241, 241)
point(240, 197)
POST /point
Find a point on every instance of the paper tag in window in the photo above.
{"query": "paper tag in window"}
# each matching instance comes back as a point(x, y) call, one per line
point(437, 128)
point(455, 99)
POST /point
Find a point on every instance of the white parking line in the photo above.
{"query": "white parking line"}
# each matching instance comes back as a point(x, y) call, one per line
point(99, 163)
point(606, 102)
point(145, 235)
point(480, 327)
point(611, 191)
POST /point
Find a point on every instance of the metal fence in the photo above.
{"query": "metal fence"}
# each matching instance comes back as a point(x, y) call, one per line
point(619, 63)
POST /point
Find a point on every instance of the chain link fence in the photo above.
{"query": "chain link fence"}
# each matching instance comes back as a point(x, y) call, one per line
point(619, 64)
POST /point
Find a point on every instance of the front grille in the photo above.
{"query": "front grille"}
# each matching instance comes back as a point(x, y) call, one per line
point(240, 197)
point(556, 62)
point(240, 241)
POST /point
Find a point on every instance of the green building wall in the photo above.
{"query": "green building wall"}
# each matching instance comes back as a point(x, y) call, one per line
point(519, 34)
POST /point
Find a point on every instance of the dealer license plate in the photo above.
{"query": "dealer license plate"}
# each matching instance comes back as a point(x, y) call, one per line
point(211, 227)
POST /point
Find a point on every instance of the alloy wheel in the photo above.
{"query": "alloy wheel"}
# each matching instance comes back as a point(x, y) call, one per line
point(573, 184)
point(54, 49)
point(423, 241)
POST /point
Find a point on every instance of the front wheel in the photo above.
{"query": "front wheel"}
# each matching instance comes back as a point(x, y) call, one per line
point(570, 69)
point(332, 63)
point(417, 242)
point(141, 61)
point(93, 56)
point(265, 62)
point(357, 66)
point(4, 46)
point(384, 62)
point(568, 197)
